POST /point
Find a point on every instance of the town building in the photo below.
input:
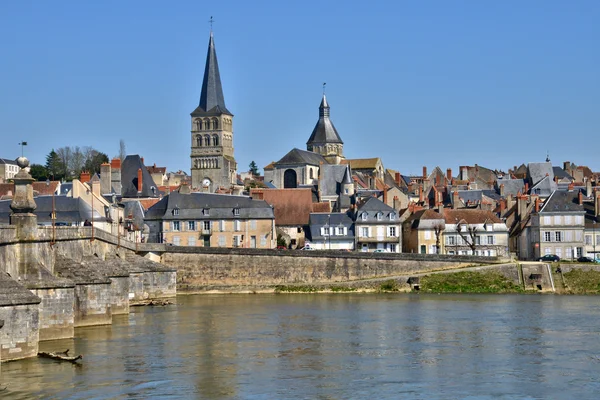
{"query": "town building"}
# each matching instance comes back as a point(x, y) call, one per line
point(213, 165)
point(185, 218)
point(377, 227)
point(422, 233)
point(8, 169)
point(331, 231)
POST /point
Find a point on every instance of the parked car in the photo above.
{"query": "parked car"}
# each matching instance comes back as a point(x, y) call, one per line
point(587, 260)
point(381, 251)
point(307, 248)
point(550, 258)
point(281, 248)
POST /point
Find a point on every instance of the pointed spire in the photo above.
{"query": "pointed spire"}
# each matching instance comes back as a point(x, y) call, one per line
point(211, 95)
point(324, 131)
point(324, 107)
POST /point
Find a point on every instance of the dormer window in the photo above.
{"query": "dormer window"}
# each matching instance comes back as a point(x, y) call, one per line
point(176, 211)
point(363, 216)
point(392, 216)
point(379, 216)
point(206, 212)
point(236, 211)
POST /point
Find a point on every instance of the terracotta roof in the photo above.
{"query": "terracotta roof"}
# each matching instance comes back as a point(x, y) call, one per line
point(362, 163)
point(324, 207)
point(470, 216)
point(153, 169)
point(291, 206)
point(39, 188)
point(147, 203)
point(270, 166)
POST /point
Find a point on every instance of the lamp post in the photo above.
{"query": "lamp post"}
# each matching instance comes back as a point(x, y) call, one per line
point(594, 237)
point(91, 192)
point(52, 215)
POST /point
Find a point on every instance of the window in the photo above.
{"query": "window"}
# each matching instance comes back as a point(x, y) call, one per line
point(557, 220)
point(176, 240)
point(558, 236)
point(364, 232)
point(569, 252)
point(311, 173)
point(207, 140)
point(206, 226)
point(490, 239)
point(558, 251)
point(237, 241)
point(324, 231)
point(222, 225)
point(477, 239)
point(206, 212)
point(588, 239)
point(253, 224)
point(489, 227)
point(379, 216)
point(579, 252)
point(568, 220)
point(547, 220)
point(392, 216)
point(433, 249)
point(237, 225)
point(363, 216)
point(199, 141)
point(578, 220)
point(176, 226)
point(176, 211)
point(392, 231)
point(569, 236)
point(427, 235)
point(236, 211)
point(221, 240)
point(597, 239)
point(191, 225)
point(263, 241)
point(191, 241)
point(451, 240)
point(393, 248)
point(547, 236)
point(215, 140)
point(578, 236)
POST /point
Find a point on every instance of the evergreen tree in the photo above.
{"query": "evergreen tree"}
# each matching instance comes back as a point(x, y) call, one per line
point(94, 160)
point(38, 172)
point(54, 166)
point(254, 168)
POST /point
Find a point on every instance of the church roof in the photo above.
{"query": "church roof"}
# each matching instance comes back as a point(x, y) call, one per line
point(324, 131)
point(212, 101)
point(297, 156)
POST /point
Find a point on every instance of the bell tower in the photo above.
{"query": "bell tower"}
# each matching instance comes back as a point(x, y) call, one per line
point(212, 163)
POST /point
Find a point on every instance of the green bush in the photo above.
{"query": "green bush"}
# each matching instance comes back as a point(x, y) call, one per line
point(469, 282)
point(389, 286)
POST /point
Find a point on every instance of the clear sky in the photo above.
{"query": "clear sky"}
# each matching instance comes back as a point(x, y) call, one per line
point(417, 83)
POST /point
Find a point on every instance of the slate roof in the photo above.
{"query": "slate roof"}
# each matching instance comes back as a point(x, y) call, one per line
point(562, 201)
point(324, 131)
point(297, 156)
point(331, 177)
point(7, 161)
point(544, 188)
point(13, 294)
point(212, 101)
point(538, 171)
point(371, 207)
point(362, 163)
point(317, 220)
point(67, 209)
point(425, 219)
point(129, 178)
point(291, 206)
point(470, 195)
point(220, 206)
point(511, 186)
point(561, 173)
point(470, 216)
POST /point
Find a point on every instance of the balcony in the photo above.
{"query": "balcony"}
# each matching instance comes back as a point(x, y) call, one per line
point(206, 232)
point(379, 239)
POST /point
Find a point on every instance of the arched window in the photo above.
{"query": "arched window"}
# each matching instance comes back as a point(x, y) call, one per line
point(290, 180)
point(215, 140)
point(311, 173)
point(207, 140)
point(198, 124)
point(199, 141)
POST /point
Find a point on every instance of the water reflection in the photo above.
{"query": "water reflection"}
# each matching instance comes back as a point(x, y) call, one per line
point(329, 347)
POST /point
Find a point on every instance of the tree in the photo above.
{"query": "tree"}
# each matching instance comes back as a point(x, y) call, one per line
point(471, 238)
point(38, 172)
point(253, 168)
point(437, 229)
point(53, 166)
point(122, 151)
point(93, 160)
point(65, 154)
point(77, 161)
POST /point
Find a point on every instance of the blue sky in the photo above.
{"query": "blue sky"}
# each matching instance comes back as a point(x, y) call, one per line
point(431, 83)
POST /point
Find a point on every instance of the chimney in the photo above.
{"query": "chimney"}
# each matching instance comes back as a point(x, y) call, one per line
point(455, 200)
point(555, 178)
point(521, 206)
point(115, 175)
point(139, 180)
point(115, 163)
point(571, 186)
point(142, 158)
point(396, 203)
point(537, 204)
point(449, 174)
point(96, 186)
point(421, 195)
point(385, 196)
point(84, 177)
point(588, 188)
point(397, 178)
point(502, 189)
point(502, 206)
point(566, 165)
point(526, 188)
point(105, 178)
point(424, 172)
point(580, 198)
point(464, 173)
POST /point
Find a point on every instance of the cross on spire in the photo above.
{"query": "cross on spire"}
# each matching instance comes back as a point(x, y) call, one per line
point(210, 21)
point(324, 83)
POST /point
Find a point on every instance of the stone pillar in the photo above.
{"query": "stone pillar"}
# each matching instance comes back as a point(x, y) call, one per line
point(22, 204)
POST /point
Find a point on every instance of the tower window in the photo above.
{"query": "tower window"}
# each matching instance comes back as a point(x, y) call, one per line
point(215, 124)
point(207, 140)
point(215, 140)
point(199, 141)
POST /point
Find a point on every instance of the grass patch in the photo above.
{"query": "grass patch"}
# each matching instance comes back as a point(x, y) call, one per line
point(469, 282)
point(338, 289)
point(389, 286)
point(582, 282)
point(295, 289)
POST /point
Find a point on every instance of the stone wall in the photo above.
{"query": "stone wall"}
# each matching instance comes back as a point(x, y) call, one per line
point(57, 317)
point(160, 284)
point(119, 295)
point(92, 304)
point(206, 268)
point(20, 334)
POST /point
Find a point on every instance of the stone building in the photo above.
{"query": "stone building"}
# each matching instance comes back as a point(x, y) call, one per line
point(8, 169)
point(183, 218)
point(377, 227)
point(324, 139)
point(213, 165)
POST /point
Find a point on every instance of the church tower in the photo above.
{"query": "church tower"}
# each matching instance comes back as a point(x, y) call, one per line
point(325, 139)
point(213, 164)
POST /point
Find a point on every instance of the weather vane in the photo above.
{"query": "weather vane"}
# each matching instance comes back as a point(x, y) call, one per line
point(22, 144)
point(210, 21)
point(324, 84)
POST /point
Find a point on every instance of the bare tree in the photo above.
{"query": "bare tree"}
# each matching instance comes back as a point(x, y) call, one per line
point(469, 239)
point(438, 229)
point(122, 151)
point(77, 160)
point(65, 154)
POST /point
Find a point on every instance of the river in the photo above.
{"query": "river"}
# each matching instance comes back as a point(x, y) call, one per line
point(329, 346)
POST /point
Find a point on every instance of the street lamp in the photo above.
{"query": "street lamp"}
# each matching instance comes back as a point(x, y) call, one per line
point(91, 192)
point(594, 237)
point(53, 215)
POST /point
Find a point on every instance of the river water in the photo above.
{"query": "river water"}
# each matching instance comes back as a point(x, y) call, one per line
point(337, 346)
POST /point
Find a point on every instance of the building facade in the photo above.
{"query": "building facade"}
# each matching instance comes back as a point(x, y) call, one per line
point(331, 231)
point(377, 227)
point(211, 220)
point(8, 169)
point(213, 165)
point(422, 233)
point(476, 232)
